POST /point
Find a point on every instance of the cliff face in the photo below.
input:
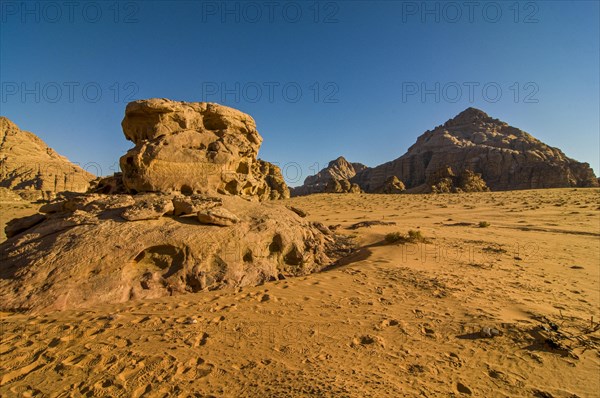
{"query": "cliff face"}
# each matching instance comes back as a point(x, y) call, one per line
point(34, 170)
point(506, 157)
point(339, 170)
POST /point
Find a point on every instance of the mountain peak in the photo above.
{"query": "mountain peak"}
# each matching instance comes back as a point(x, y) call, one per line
point(470, 111)
point(469, 115)
point(339, 161)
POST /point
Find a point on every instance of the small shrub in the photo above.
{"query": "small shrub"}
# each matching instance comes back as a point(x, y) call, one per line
point(415, 236)
point(484, 224)
point(394, 237)
point(411, 237)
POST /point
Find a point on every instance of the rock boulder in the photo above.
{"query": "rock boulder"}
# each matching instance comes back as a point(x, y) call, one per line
point(196, 147)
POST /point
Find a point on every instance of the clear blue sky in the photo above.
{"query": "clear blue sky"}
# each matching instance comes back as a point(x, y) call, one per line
point(361, 67)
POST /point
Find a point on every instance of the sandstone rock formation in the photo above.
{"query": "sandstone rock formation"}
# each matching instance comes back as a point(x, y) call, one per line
point(341, 186)
point(196, 148)
point(338, 170)
point(445, 180)
point(392, 185)
point(85, 251)
point(505, 157)
point(32, 169)
point(179, 229)
point(9, 196)
point(108, 185)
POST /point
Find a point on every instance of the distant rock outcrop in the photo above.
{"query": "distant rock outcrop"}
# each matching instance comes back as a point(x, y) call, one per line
point(505, 157)
point(333, 179)
point(445, 180)
point(175, 221)
point(196, 147)
point(32, 169)
point(392, 185)
point(341, 186)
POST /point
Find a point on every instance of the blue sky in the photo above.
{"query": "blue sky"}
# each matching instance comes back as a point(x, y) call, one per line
point(360, 79)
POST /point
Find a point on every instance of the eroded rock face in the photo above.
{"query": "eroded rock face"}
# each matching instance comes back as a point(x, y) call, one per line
point(504, 156)
point(107, 259)
point(32, 169)
point(332, 179)
point(196, 148)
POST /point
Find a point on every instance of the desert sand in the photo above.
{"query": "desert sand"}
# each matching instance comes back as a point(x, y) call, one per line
point(508, 309)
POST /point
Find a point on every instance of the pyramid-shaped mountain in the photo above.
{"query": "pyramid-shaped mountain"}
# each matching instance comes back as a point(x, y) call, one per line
point(506, 157)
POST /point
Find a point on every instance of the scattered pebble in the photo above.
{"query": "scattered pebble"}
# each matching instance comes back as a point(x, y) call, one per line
point(489, 332)
point(463, 389)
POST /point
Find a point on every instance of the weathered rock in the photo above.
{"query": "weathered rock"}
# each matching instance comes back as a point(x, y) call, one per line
point(354, 188)
point(35, 195)
point(339, 170)
point(184, 205)
point(469, 181)
point(107, 260)
point(334, 186)
point(276, 186)
point(441, 180)
point(323, 228)
point(34, 170)
point(218, 216)
point(150, 207)
point(298, 211)
point(96, 203)
point(445, 181)
point(196, 148)
point(108, 185)
point(91, 203)
point(504, 156)
point(392, 185)
point(16, 226)
point(341, 186)
point(9, 196)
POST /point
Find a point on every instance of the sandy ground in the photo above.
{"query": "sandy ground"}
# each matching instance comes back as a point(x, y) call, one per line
point(396, 320)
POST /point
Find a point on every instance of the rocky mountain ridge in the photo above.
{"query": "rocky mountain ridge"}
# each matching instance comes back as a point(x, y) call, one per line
point(474, 151)
point(32, 169)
